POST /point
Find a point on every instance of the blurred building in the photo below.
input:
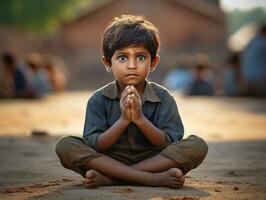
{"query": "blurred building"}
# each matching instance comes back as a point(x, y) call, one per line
point(186, 27)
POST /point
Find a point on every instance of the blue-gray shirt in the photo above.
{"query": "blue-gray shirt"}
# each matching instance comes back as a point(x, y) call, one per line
point(158, 106)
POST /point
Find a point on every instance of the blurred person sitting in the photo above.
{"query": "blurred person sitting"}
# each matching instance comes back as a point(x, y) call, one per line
point(38, 77)
point(233, 78)
point(55, 74)
point(15, 82)
point(179, 77)
point(201, 83)
point(254, 64)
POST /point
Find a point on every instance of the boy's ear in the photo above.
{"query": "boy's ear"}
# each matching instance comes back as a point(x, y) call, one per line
point(107, 65)
point(154, 63)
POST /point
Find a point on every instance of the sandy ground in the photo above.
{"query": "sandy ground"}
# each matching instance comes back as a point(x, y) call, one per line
point(235, 167)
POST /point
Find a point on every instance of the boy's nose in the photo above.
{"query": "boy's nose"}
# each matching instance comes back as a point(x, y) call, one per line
point(132, 64)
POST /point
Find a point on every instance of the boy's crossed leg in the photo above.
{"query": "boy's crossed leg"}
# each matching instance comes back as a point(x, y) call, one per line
point(99, 169)
point(156, 171)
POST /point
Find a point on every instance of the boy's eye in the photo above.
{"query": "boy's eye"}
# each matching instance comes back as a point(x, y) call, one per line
point(122, 58)
point(141, 57)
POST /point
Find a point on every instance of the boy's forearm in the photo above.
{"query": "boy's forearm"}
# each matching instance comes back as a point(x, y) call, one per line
point(156, 136)
point(109, 137)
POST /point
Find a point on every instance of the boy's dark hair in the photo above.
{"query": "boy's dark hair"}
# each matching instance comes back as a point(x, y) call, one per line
point(127, 30)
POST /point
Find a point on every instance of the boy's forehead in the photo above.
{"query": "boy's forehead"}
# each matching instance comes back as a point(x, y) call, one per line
point(132, 49)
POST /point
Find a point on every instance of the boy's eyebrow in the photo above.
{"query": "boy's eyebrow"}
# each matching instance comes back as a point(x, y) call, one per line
point(126, 52)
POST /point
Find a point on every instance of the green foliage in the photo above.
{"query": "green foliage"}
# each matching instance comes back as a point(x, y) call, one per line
point(238, 18)
point(43, 16)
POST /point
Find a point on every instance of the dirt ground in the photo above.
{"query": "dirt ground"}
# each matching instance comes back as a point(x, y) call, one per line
point(235, 167)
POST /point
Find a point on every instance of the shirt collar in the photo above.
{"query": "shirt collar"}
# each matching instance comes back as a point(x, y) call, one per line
point(112, 91)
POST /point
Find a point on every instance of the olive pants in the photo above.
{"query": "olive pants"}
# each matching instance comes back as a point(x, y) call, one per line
point(188, 153)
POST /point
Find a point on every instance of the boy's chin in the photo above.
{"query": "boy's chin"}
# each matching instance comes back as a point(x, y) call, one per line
point(131, 83)
point(128, 83)
point(135, 82)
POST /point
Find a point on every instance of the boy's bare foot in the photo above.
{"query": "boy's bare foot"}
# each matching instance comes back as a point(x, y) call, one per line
point(173, 178)
point(94, 179)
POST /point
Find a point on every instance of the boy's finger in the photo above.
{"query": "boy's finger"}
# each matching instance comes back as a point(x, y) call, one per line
point(125, 92)
point(126, 102)
point(136, 100)
point(126, 88)
point(123, 95)
point(135, 103)
point(132, 103)
point(135, 91)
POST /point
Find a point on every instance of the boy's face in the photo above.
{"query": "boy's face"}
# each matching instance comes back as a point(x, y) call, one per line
point(131, 65)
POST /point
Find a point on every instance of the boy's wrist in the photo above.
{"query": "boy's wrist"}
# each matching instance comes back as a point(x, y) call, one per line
point(140, 121)
point(124, 121)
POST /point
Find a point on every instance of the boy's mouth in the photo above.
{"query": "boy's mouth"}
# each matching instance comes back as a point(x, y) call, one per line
point(131, 75)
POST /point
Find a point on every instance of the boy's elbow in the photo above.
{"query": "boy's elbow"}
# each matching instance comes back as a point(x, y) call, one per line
point(102, 147)
point(162, 143)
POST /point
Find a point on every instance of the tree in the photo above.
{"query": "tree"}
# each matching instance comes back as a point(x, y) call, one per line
point(238, 18)
point(43, 16)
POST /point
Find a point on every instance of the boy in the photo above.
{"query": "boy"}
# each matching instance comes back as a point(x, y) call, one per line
point(133, 130)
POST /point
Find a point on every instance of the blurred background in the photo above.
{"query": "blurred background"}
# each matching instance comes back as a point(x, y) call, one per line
point(209, 48)
point(200, 41)
point(213, 59)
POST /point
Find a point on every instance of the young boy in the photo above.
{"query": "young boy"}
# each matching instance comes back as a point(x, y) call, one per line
point(133, 132)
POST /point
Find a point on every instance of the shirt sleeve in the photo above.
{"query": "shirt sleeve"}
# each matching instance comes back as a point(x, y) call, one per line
point(169, 119)
point(95, 121)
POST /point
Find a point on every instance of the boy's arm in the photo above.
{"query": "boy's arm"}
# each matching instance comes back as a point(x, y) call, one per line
point(109, 137)
point(156, 136)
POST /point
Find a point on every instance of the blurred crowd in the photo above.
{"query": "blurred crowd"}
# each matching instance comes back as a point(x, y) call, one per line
point(31, 77)
point(243, 73)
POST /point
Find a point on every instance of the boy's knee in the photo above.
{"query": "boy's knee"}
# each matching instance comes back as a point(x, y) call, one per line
point(199, 148)
point(64, 145)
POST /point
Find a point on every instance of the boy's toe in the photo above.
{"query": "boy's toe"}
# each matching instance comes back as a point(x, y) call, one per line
point(90, 174)
point(90, 185)
point(176, 173)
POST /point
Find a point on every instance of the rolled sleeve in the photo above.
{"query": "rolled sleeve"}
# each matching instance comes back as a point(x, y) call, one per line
point(169, 119)
point(95, 122)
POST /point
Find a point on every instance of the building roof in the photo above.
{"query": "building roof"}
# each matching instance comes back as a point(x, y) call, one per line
point(206, 8)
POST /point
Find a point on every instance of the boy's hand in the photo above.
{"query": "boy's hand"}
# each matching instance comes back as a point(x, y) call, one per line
point(135, 105)
point(125, 104)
